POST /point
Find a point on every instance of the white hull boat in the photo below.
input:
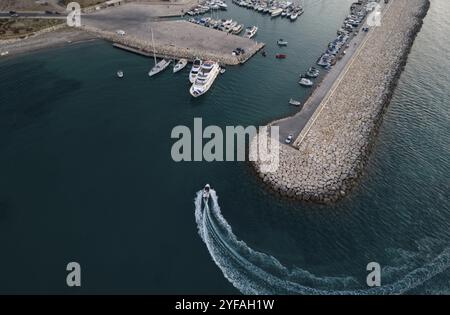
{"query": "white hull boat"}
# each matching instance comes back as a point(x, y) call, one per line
point(160, 66)
point(180, 65)
point(205, 78)
point(194, 70)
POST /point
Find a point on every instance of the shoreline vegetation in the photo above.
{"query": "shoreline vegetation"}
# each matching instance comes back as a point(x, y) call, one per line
point(332, 150)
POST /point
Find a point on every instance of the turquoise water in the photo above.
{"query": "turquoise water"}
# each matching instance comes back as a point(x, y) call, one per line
point(87, 176)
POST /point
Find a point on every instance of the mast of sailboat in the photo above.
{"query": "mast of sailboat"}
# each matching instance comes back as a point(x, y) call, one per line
point(153, 43)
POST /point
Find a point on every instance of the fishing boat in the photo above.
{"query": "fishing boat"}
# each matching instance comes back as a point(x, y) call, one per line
point(280, 56)
point(180, 65)
point(306, 82)
point(194, 70)
point(120, 74)
point(250, 31)
point(282, 42)
point(294, 102)
point(159, 66)
point(205, 78)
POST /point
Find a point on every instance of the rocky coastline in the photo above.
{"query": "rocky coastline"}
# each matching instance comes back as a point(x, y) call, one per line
point(329, 156)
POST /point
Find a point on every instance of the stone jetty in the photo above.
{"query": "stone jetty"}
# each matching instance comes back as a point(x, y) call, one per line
point(330, 152)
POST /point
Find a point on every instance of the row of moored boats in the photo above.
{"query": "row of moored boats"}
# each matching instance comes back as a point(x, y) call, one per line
point(273, 8)
point(226, 25)
point(206, 6)
point(202, 74)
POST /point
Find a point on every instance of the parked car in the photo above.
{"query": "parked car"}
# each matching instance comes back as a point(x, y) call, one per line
point(289, 139)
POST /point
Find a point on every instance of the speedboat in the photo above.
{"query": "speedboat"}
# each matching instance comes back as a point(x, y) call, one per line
point(282, 42)
point(160, 66)
point(280, 56)
point(194, 70)
point(312, 72)
point(293, 16)
point(120, 74)
point(306, 82)
point(180, 65)
point(5, 53)
point(205, 78)
point(206, 193)
point(222, 70)
point(294, 102)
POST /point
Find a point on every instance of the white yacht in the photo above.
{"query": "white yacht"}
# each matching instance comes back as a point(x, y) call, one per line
point(276, 12)
point(194, 70)
point(160, 66)
point(205, 78)
point(250, 31)
point(180, 65)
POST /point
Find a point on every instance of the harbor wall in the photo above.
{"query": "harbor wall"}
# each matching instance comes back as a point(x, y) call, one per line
point(329, 155)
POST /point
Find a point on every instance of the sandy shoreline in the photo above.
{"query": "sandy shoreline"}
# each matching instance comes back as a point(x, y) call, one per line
point(58, 38)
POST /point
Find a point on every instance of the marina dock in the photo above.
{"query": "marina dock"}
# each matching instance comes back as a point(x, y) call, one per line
point(173, 38)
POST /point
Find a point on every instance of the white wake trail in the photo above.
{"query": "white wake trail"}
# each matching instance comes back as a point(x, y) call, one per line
point(253, 272)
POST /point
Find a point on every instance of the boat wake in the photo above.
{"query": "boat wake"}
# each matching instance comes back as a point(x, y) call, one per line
point(253, 272)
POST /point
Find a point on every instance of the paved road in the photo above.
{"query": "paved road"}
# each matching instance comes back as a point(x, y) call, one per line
point(295, 124)
point(35, 15)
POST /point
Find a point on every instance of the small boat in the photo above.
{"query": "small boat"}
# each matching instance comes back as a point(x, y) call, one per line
point(306, 82)
point(5, 53)
point(293, 16)
point(180, 65)
point(237, 29)
point(280, 56)
point(160, 66)
point(282, 42)
point(222, 70)
point(276, 12)
point(312, 72)
point(120, 74)
point(250, 31)
point(206, 193)
point(263, 53)
point(294, 102)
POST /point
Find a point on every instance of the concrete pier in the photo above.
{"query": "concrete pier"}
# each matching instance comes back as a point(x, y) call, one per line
point(333, 146)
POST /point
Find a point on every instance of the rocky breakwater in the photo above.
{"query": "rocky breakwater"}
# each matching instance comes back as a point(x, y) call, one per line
point(328, 156)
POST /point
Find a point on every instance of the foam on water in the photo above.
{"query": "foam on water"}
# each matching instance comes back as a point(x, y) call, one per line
point(253, 272)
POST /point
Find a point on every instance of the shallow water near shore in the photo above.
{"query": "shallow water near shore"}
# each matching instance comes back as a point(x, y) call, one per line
point(87, 176)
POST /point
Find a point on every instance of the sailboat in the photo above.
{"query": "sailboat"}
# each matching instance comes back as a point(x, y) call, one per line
point(159, 66)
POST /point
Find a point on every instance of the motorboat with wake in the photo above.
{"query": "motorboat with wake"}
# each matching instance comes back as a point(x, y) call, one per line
point(194, 70)
point(120, 74)
point(205, 78)
point(206, 193)
point(180, 65)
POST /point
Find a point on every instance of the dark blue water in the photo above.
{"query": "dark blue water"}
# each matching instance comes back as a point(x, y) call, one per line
point(87, 176)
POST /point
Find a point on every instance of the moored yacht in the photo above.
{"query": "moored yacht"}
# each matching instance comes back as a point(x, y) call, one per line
point(276, 12)
point(205, 78)
point(250, 31)
point(180, 65)
point(194, 70)
point(306, 82)
point(160, 66)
